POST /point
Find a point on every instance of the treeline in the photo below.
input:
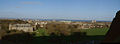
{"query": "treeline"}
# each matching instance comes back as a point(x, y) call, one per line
point(59, 28)
point(4, 23)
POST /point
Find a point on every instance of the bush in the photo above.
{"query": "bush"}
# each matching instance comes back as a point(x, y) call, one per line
point(58, 28)
point(2, 33)
point(41, 32)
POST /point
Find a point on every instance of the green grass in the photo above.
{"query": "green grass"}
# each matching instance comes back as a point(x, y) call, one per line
point(95, 31)
point(89, 32)
point(92, 34)
point(41, 32)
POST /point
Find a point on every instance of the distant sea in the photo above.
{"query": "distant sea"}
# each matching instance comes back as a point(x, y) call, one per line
point(58, 20)
point(72, 20)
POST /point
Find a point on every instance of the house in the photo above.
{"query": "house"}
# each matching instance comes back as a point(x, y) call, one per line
point(93, 21)
point(66, 22)
point(86, 26)
point(21, 27)
point(41, 24)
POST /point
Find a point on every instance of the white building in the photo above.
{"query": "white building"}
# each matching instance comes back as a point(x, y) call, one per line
point(93, 21)
point(23, 27)
point(42, 24)
point(66, 22)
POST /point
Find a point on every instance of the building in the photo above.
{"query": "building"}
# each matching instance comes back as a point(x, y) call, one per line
point(93, 21)
point(66, 22)
point(86, 26)
point(41, 24)
point(21, 27)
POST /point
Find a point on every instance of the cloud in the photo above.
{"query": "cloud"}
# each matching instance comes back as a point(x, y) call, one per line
point(28, 2)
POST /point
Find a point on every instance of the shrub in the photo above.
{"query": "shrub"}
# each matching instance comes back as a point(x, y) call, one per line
point(41, 32)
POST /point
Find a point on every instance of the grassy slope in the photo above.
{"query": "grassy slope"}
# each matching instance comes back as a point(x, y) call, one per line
point(89, 32)
point(93, 34)
point(95, 31)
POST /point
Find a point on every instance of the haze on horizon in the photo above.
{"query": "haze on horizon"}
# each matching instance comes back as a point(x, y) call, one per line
point(60, 9)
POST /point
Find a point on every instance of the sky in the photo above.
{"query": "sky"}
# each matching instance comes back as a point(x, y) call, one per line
point(60, 9)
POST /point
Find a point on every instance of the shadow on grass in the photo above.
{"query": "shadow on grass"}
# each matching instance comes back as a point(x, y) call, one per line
point(75, 38)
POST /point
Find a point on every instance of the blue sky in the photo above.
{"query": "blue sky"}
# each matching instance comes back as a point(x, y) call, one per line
point(60, 9)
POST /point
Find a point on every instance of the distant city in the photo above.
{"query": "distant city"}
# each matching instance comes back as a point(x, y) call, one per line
point(34, 24)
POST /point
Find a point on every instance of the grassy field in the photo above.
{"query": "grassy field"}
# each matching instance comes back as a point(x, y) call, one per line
point(95, 31)
point(89, 32)
point(96, 34)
